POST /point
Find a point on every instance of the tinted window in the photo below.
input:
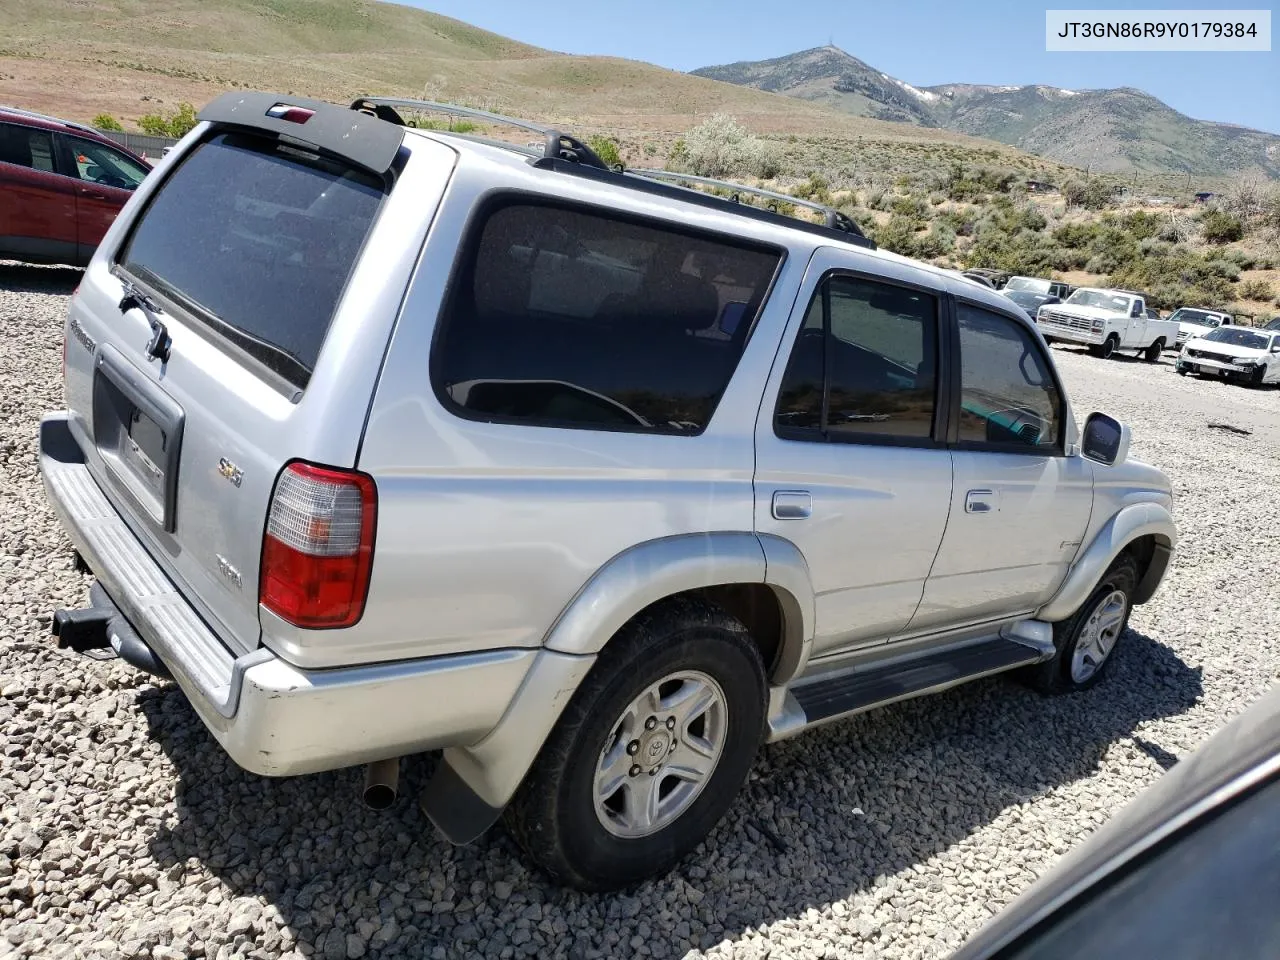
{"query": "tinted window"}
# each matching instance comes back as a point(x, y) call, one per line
point(100, 164)
point(880, 359)
point(1007, 392)
point(564, 317)
point(257, 241)
point(27, 147)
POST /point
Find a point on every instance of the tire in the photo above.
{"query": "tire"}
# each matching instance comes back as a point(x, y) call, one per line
point(1063, 674)
point(1108, 348)
point(594, 844)
point(1154, 352)
point(1182, 371)
point(1259, 374)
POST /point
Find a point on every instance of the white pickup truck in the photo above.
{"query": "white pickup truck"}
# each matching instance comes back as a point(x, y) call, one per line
point(1107, 321)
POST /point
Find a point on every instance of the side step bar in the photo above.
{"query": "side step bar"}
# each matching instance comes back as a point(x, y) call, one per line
point(862, 688)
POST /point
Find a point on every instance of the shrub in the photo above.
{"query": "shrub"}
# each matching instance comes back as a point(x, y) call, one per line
point(606, 150)
point(878, 200)
point(1090, 194)
point(177, 124)
point(720, 146)
point(105, 121)
point(1075, 235)
point(1218, 226)
point(1256, 289)
point(909, 206)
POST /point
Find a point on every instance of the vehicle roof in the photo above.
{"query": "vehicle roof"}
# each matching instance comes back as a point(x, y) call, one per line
point(515, 160)
point(30, 118)
point(1246, 749)
point(1214, 313)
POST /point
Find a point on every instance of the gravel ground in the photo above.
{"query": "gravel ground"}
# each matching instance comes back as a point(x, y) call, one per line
point(124, 832)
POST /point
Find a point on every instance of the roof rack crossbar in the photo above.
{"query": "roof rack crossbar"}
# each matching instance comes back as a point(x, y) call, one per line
point(557, 144)
point(452, 109)
point(834, 218)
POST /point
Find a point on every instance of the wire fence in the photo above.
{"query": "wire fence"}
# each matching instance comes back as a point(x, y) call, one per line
point(143, 144)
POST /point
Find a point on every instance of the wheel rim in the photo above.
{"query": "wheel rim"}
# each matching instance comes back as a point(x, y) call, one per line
point(660, 753)
point(1098, 635)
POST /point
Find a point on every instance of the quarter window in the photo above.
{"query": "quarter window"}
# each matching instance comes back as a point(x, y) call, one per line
point(864, 365)
point(566, 317)
point(1008, 396)
point(26, 147)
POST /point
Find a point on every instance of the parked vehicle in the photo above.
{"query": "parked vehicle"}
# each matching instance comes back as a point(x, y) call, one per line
point(592, 481)
point(61, 186)
point(1107, 321)
point(1273, 324)
point(1030, 301)
point(1195, 322)
point(1236, 353)
point(995, 279)
point(1052, 288)
point(1187, 870)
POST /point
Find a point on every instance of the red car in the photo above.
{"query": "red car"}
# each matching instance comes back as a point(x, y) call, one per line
point(61, 185)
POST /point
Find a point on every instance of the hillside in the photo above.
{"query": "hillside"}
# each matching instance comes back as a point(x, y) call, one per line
point(79, 58)
point(1106, 130)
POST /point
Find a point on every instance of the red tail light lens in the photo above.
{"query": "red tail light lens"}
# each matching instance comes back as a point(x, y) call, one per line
point(317, 554)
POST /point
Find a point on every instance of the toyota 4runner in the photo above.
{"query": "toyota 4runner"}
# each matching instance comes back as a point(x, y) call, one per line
point(383, 440)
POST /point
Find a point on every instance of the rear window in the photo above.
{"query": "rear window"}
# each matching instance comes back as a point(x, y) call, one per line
point(256, 239)
point(569, 317)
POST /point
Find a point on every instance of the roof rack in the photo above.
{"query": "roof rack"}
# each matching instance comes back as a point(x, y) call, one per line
point(834, 219)
point(556, 145)
point(567, 154)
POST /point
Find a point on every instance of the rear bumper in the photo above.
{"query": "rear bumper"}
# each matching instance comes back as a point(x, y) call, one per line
point(271, 717)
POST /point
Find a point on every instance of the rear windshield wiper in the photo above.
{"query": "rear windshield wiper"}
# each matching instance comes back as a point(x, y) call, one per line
point(159, 345)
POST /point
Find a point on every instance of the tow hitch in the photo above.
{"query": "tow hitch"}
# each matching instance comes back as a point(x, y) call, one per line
point(100, 631)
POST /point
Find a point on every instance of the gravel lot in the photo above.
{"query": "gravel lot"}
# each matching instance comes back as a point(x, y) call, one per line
point(125, 833)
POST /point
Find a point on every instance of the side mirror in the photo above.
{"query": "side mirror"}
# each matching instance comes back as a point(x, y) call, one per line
point(1275, 347)
point(1106, 440)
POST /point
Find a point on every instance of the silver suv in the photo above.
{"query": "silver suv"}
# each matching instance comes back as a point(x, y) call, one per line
point(383, 440)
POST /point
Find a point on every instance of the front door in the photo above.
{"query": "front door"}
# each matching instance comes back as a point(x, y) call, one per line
point(1020, 506)
point(851, 465)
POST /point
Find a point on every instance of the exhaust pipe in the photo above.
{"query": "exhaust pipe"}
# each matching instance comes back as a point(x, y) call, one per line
point(381, 783)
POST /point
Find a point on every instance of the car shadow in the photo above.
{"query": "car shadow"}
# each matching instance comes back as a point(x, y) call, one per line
point(823, 816)
point(31, 278)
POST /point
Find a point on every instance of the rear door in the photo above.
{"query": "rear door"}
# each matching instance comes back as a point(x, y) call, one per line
point(245, 258)
point(106, 179)
point(1021, 505)
point(37, 203)
point(851, 463)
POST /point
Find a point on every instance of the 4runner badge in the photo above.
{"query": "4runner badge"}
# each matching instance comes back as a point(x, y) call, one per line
point(227, 570)
point(230, 471)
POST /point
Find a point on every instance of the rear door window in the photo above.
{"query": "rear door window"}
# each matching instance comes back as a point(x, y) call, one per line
point(256, 240)
point(572, 317)
point(26, 147)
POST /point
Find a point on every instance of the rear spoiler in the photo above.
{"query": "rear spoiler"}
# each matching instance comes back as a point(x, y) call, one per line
point(359, 138)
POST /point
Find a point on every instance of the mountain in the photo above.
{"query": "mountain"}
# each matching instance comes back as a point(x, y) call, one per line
point(1105, 130)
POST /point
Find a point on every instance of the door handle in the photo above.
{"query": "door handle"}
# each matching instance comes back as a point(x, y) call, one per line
point(980, 501)
point(792, 504)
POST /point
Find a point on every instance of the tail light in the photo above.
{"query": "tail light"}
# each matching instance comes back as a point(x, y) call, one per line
point(317, 553)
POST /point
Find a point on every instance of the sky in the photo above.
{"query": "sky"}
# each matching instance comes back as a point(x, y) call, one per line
point(923, 42)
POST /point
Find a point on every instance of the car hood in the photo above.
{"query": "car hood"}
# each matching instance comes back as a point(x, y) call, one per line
point(1226, 349)
point(1248, 744)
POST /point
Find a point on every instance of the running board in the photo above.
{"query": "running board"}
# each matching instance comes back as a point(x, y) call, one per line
point(852, 691)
